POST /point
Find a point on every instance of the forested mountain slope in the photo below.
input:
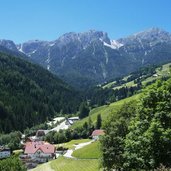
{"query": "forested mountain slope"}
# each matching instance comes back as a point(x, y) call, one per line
point(30, 94)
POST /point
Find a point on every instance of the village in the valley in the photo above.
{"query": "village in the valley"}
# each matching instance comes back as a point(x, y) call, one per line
point(36, 151)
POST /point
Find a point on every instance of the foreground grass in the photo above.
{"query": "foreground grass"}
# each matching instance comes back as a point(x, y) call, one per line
point(64, 164)
point(105, 111)
point(70, 144)
point(43, 167)
point(91, 151)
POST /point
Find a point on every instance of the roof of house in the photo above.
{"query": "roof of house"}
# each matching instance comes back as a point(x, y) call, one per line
point(97, 132)
point(32, 147)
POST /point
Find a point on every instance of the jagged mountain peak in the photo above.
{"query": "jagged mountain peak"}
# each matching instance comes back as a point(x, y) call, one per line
point(36, 41)
point(31, 46)
point(88, 36)
point(153, 32)
point(150, 36)
point(9, 44)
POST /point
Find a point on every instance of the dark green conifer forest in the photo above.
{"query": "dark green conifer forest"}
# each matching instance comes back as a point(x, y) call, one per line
point(29, 94)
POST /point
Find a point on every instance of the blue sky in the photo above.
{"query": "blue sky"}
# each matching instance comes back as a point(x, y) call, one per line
point(23, 20)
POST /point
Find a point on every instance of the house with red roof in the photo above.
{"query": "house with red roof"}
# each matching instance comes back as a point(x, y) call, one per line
point(39, 151)
point(97, 133)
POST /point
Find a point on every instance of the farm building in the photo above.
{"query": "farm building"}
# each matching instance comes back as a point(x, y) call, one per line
point(97, 133)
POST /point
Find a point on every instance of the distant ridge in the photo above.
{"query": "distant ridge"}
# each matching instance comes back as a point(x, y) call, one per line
point(89, 58)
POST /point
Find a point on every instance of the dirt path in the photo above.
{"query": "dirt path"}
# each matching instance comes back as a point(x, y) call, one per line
point(68, 154)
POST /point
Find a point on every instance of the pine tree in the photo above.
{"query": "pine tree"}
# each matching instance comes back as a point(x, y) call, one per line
point(99, 121)
point(83, 110)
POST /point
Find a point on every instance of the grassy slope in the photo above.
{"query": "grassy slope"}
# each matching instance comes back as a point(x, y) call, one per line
point(163, 72)
point(105, 111)
point(91, 151)
point(43, 167)
point(70, 144)
point(65, 164)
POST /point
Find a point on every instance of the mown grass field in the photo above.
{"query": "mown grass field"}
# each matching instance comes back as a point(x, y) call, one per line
point(91, 151)
point(66, 164)
point(105, 111)
point(70, 144)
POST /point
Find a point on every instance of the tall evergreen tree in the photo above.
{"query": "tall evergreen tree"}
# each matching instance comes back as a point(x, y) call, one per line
point(83, 111)
point(99, 121)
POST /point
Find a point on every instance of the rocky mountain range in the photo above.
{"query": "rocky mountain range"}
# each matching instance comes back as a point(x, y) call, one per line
point(90, 58)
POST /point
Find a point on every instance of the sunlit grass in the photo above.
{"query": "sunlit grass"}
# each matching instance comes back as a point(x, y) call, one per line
point(71, 144)
point(91, 151)
point(105, 111)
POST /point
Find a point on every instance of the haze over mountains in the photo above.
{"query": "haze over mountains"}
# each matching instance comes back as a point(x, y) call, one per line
point(90, 58)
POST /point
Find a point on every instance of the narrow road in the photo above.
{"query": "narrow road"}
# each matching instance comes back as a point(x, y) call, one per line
point(68, 154)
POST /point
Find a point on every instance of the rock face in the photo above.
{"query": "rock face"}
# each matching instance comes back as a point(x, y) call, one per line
point(89, 58)
point(8, 44)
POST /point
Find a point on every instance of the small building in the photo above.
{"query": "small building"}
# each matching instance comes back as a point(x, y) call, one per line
point(40, 133)
point(74, 119)
point(71, 120)
point(40, 151)
point(4, 152)
point(155, 75)
point(97, 133)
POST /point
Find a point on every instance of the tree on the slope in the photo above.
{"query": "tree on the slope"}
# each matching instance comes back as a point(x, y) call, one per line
point(112, 142)
point(99, 121)
point(83, 111)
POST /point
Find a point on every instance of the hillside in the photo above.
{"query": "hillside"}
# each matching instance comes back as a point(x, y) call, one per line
point(30, 94)
point(105, 111)
point(145, 75)
point(64, 164)
point(91, 151)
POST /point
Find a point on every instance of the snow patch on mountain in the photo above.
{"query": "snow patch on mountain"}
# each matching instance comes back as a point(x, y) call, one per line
point(20, 48)
point(48, 60)
point(114, 44)
point(48, 67)
point(104, 72)
point(52, 44)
